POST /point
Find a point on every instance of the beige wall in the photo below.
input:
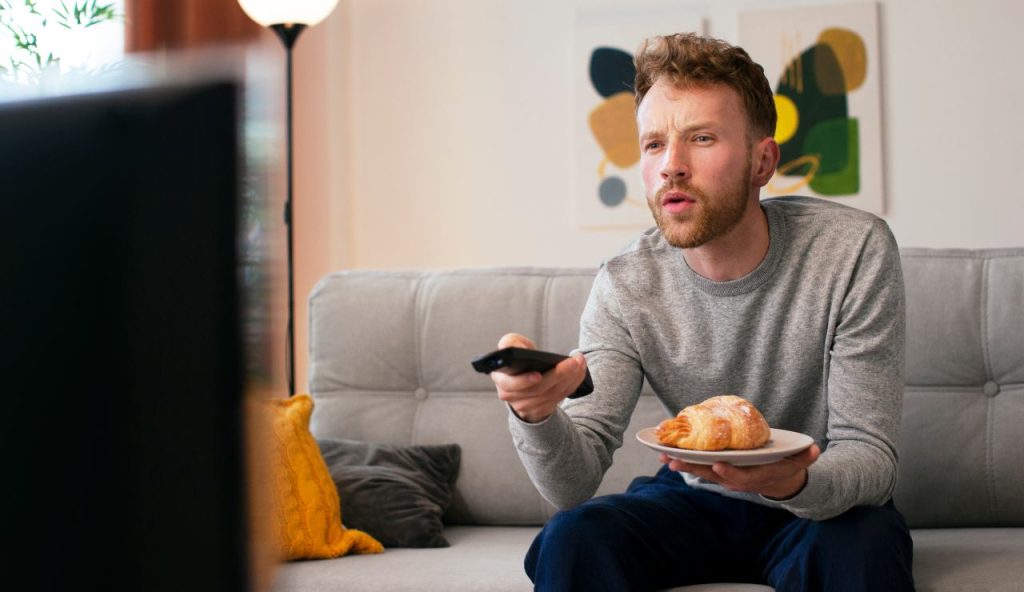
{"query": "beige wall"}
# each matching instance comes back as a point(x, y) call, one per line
point(322, 165)
point(436, 133)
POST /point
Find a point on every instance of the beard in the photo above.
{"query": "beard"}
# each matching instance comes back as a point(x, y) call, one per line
point(713, 215)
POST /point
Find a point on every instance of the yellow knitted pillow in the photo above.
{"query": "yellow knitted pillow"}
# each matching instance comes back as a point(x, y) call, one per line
point(308, 509)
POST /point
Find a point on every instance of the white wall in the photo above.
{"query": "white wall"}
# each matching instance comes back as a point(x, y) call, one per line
point(453, 128)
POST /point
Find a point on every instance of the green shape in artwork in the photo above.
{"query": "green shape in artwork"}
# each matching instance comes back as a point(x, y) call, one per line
point(838, 143)
point(802, 82)
point(828, 140)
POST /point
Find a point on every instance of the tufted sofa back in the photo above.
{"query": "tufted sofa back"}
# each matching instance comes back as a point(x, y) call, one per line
point(961, 452)
point(390, 353)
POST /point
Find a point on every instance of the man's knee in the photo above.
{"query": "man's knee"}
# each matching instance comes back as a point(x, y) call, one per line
point(870, 528)
point(589, 524)
point(580, 548)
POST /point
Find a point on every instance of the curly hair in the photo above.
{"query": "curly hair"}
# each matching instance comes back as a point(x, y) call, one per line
point(687, 58)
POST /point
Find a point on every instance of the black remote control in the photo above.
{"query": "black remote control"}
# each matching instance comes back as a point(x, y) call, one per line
point(516, 360)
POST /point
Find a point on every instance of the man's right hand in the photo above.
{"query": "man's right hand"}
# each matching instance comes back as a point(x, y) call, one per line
point(534, 396)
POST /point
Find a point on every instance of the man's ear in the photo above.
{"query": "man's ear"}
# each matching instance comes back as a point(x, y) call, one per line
point(765, 160)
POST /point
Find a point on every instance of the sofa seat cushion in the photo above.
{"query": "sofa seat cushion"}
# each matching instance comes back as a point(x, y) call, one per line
point(480, 558)
point(945, 560)
point(980, 559)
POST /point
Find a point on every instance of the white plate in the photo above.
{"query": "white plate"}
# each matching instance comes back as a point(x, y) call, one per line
point(782, 443)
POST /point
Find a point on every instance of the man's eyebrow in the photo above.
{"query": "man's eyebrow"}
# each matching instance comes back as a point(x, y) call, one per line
point(687, 129)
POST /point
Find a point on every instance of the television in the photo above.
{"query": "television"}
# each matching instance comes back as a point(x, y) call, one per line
point(122, 365)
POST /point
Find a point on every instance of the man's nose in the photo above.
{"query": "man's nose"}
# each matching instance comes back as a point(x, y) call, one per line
point(675, 165)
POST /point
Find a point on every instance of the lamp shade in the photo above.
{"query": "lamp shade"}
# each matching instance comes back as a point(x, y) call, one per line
point(288, 12)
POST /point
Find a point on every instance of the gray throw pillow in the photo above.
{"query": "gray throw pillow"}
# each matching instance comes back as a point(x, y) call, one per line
point(397, 494)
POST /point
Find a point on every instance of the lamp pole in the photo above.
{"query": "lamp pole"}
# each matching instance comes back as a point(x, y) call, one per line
point(289, 33)
point(288, 20)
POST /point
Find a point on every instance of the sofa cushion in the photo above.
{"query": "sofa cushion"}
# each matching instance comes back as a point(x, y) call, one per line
point(979, 559)
point(397, 494)
point(480, 558)
point(306, 508)
point(390, 356)
point(964, 394)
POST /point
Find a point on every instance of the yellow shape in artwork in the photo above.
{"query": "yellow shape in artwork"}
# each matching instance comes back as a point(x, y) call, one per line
point(613, 123)
point(788, 119)
point(808, 159)
point(852, 55)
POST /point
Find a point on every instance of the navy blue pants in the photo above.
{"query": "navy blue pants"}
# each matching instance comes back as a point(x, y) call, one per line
point(663, 533)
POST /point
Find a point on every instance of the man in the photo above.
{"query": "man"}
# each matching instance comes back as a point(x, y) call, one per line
point(795, 304)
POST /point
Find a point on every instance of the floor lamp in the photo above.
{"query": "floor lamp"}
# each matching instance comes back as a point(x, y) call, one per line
point(288, 18)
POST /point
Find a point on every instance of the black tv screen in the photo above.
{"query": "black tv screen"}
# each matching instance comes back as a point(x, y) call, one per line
point(122, 360)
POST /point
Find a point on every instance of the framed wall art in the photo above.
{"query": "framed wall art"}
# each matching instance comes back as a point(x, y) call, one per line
point(608, 190)
point(823, 65)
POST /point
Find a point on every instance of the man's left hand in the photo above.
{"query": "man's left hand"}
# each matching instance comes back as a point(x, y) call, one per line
point(778, 480)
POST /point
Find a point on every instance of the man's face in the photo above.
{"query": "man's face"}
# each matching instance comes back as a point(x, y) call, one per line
point(695, 153)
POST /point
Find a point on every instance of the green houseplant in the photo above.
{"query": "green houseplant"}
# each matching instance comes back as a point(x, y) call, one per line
point(38, 37)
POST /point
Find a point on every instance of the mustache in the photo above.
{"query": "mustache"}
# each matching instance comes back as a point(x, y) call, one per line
point(676, 185)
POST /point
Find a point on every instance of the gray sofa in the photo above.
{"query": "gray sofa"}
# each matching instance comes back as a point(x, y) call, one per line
point(390, 354)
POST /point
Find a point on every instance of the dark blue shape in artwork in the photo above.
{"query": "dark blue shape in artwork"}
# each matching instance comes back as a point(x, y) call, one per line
point(612, 191)
point(611, 71)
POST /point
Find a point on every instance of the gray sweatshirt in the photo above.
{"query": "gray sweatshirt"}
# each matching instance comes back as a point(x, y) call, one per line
point(814, 337)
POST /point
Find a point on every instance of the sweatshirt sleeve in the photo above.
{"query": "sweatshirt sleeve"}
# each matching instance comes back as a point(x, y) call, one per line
point(865, 388)
point(567, 454)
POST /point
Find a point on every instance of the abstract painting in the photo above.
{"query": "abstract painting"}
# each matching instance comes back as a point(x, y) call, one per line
point(608, 191)
point(823, 65)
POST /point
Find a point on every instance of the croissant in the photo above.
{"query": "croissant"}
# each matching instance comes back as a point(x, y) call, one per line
point(719, 423)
